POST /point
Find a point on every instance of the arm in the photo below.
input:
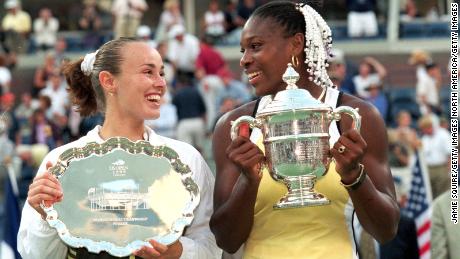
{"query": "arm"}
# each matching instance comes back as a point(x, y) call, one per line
point(36, 239)
point(237, 183)
point(374, 200)
point(379, 68)
point(197, 242)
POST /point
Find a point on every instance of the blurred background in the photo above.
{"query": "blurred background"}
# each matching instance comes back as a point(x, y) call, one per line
point(393, 53)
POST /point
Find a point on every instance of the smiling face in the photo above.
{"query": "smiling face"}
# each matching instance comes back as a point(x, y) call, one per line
point(266, 52)
point(140, 85)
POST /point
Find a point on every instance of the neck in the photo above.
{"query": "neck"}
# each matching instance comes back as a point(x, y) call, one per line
point(122, 126)
point(315, 90)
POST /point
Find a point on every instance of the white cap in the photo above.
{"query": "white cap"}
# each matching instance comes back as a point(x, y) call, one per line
point(143, 31)
point(176, 30)
point(11, 4)
point(338, 56)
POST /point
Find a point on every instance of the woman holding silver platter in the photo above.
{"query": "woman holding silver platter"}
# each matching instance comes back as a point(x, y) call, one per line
point(125, 79)
point(358, 182)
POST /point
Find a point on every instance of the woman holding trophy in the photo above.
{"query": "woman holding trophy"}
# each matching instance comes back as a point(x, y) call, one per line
point(357, 183)
point(124, 79)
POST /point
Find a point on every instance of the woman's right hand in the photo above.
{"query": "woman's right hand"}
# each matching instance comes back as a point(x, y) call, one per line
point(247, 156)
point(44, 188)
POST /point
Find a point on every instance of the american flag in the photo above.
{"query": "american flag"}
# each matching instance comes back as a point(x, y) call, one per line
point(419, 205)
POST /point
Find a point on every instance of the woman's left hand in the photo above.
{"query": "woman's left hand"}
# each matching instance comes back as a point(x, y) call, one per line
point(159, 250)
point(348, 152)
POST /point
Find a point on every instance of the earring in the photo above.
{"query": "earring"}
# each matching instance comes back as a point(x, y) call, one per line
point(110, 93)
point(295, 61)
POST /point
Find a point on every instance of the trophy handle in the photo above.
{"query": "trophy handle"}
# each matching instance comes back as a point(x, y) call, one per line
point(353, 113)
point(253, 123)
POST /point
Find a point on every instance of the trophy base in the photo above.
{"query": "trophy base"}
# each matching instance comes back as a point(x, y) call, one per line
point(311, 199)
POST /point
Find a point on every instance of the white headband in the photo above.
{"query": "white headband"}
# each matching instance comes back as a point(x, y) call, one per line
point(88, 63)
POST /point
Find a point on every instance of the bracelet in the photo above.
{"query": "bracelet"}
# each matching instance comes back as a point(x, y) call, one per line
point(355, 185)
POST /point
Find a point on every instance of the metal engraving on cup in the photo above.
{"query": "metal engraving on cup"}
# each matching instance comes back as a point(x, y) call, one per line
point(295, 128)
point(120, 194)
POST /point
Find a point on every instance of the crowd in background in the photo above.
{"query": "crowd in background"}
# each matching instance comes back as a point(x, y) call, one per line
point(201, 85)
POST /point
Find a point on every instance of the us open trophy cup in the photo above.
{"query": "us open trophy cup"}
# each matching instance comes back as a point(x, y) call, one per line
point(295, 129)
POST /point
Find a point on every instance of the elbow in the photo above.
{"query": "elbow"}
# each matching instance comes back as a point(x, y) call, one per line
point(223, 238)
point(389, 231)
point(229, 247)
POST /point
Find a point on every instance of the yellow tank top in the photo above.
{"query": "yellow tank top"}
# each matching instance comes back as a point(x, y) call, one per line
point(319, 232)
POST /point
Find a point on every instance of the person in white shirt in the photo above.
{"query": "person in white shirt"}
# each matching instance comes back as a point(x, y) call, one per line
point(436, 153)
point(214, 22)
point(45, 29)
point(371, 72)
point(125, 79)
point(183, 49)
point(170, 16)
point(428, 88)
point(56, 90)
point(128, 14)
point(5, 75)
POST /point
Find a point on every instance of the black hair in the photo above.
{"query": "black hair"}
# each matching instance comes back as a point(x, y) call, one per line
point(285, 14)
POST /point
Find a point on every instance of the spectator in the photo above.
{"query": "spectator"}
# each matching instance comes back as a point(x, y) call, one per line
point(166, 124)
point(6, 152)
point(57, 92)
point(44, 131)
point(170, 16)
point(43, 73)
point(191, 115)
point(17, 25)
point(244, 9)
point(436, 152)
point(210, 87)
point(232, 28)
point(445, 235)
point(90, 23)
point(232, 89)
point(144, 33)
point(338, 71)
point(409, 10)
point(405, 133)
point(227, 105)
point(362, 21)
point(404, 142)
point(428, 88)
point(128, 14)
point(209, 60)
point(378, 99)
point(371, 71)
point(214, 23)
point(183, 50)
point(23, 113)
point(60, 49)
point(45, 29)
point(231, 16)
point(5, 76)
point(7, 102)
point(168, 66)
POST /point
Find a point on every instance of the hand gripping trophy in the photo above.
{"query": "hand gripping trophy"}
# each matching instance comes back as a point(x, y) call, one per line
point(295, 129)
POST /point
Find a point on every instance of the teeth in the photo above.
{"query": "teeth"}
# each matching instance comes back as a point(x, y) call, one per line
point(253, 74)
point(153, 98)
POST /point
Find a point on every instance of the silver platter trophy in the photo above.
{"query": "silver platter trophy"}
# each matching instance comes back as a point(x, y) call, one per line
point(120, 194)
point(295, 129)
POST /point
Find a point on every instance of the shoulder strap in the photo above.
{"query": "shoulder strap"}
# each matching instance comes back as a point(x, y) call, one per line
point(256, 107)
